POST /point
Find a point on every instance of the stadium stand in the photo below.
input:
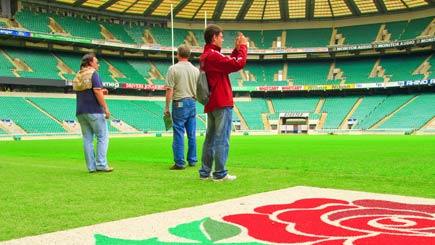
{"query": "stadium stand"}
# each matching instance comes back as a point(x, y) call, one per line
point(399, 69)
point(163, 36)
point(31, 65)
point(308, 37)
point(255, 39)
point(301, 73)
point(270, 38)
point(33, 21)
point(373, 112)
point(252, 111)
point(142, 67)
point(136, 33)
point(298, 104)
point(390, 104)
point(366, 107)
point(128, 74)
point(414, 115)
point(337, 109)
point(79, 27)
point(119, 32)
point(358, 70)
point(28, 117)
point(359, 34)
point(135, 115)
point(415, 28)
point(6, 66)
point(395, 30)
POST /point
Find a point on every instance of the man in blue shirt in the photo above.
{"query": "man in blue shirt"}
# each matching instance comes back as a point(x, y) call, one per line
point(92, 112)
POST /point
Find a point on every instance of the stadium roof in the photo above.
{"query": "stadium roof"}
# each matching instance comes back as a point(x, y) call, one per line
point(249, 10)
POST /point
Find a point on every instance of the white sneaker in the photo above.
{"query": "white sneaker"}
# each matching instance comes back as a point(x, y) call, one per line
point(227, 177)
point(206, 178)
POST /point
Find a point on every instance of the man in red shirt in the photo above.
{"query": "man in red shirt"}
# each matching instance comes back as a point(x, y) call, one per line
point(220, 106)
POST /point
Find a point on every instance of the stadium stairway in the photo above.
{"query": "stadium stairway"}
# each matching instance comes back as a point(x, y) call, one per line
point(343, 124)
point(243, 124)
point(392, 114)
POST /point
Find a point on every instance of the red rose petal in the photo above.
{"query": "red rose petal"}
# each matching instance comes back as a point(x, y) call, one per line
point(395, 205)
point(396, 240)
point(261, 227)
point(362, 223)
point(303, 204)
point(375, 211)
point(310, 222)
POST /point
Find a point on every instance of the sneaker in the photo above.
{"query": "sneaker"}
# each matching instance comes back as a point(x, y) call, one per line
point(205, 178)
point(176, 167)
point(227, 177)
point(108, 169)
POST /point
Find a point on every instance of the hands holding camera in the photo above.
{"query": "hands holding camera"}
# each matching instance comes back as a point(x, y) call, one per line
point(241, 39)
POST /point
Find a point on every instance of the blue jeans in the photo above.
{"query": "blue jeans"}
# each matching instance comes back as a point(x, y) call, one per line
point(94, 125)
point(217, 142)
point(184, 118)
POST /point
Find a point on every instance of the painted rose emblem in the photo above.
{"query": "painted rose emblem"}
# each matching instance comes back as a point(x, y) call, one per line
point(330, 221)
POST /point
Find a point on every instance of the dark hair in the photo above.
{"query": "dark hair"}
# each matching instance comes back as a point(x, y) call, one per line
point(211, 31)
point(183, 51)
point(87, 59)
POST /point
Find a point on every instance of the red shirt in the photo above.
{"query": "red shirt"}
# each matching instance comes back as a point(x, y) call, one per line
point(217, 67)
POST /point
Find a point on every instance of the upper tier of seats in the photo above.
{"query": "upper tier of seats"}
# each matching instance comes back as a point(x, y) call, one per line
point(61, 65)
point(263, 39)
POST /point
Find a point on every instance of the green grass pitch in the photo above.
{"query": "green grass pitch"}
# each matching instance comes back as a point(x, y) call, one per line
point(45, 187)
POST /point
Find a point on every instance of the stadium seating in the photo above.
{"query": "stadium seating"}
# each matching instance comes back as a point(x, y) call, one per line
point(358, 70)
point(6, 66)
point(163, 36)
point(130, 74)
point(63, 109)
point(119, 32)
point(414, 115)
point(269, 37)
point(359, 34)
point(136, 33)
point(308, 37)
point(415, 28)
point(383, 109)
point(400, 69)
point(251, 112)
point(301, 73)
point(316, 37)
point(79, 27)
point(46, 69)
point(298, 104)
point(135, 115)
point(366, 107)
point(337, 109)
point(255, 37)
point(27, 116)
point(396, 29)
point(33, 21)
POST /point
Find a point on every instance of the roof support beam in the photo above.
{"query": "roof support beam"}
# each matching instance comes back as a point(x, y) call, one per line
point(219, 9)
point(152, 7)
point(381, 6)
point(309, 9)
point(353, 8)
point(284, 11)
point(244, 10)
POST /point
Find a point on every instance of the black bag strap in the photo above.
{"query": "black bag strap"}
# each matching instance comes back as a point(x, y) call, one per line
point(205, 61)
